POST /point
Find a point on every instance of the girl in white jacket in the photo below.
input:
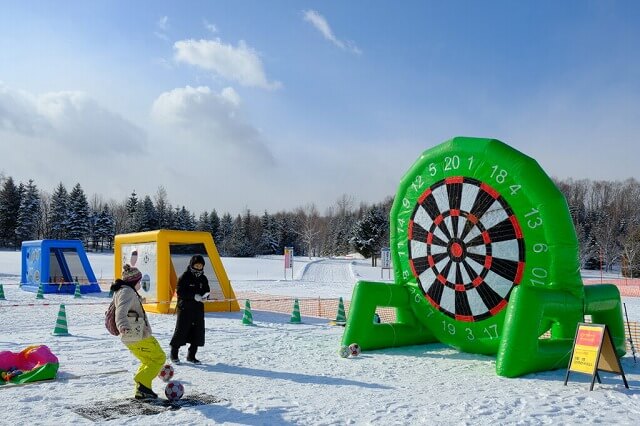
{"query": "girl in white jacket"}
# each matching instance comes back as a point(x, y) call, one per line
point(142, 344)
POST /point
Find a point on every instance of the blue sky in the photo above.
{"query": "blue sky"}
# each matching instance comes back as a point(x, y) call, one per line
point(277, 104)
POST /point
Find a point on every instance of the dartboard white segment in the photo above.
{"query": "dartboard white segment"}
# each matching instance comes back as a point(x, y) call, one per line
point(422, 218)
point(494, 215)
point(469, 195)
point(442, 198)
point(419, 248)
point(506, 250)
point(499, 284)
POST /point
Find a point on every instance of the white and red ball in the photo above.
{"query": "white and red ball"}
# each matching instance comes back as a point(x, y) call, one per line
point(354, 349)
point(166, 373)
point(174, 391)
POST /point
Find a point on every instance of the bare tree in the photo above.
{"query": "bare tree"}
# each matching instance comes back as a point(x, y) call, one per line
point(43, 221)
point(627, 203)
point(605, 221)
point(631, 253)
point(575, 193)
point(120, 216)
point(308, 228)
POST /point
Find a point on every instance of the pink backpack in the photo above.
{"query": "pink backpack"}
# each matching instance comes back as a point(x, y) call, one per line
point(110, 319)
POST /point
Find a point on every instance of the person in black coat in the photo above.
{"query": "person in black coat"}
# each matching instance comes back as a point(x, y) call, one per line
point(193, 287)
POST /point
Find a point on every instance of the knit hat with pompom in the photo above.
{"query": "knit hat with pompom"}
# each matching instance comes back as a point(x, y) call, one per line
point(131, 274)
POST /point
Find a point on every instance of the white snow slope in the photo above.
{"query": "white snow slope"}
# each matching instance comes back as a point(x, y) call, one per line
point(278, 373)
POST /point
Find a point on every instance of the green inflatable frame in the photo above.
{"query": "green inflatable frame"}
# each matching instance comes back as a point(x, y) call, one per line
point(487, 280)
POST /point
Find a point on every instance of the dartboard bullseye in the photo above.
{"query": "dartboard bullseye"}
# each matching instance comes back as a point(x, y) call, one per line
point(466, 248)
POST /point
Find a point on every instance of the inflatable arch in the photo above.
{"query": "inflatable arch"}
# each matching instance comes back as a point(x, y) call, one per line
point(162, 256)
point(485, 259)
point(56, 265)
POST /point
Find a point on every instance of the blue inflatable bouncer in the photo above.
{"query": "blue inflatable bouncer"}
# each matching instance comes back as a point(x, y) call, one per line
point(58, 265)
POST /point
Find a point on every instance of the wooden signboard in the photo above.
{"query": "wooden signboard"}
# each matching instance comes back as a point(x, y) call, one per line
point(593, 351)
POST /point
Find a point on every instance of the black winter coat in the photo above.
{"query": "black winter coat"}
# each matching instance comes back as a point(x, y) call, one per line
point(190, 321)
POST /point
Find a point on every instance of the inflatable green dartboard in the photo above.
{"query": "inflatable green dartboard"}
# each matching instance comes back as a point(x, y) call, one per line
point(472, 219)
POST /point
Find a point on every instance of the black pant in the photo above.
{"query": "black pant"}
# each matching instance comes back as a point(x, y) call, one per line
point(191, 352)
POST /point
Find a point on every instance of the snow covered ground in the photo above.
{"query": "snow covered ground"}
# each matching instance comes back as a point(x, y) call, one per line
point(278, 373)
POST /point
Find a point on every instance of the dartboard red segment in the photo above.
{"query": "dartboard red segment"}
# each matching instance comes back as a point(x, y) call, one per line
point(466, 248)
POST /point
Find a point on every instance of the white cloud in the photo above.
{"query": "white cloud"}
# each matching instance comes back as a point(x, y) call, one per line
point(241, 63)
point(211, 123)
point(68, 120)
point(18, 112)
point(69, 137)
point(321, 24)
point(163, 23)
point(162, 26)
point(210, 27)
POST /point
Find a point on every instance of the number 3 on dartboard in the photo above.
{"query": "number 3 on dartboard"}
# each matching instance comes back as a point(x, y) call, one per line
point(470, 335)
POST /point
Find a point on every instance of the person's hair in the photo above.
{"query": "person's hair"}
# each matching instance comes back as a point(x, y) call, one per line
point(196, 259)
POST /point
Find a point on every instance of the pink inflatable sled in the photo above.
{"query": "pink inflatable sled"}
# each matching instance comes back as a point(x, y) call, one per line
point(29, 365)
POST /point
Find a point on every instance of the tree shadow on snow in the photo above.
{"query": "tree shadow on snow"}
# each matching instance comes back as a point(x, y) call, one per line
point(294, 377)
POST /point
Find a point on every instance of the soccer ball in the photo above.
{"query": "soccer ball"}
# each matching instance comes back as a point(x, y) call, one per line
point(166, 373)
point(344, 351)
point(354, 349)
point(174, 391)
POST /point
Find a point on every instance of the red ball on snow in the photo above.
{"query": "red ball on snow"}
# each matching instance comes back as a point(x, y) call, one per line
point(166, 373)
point(355, 350)
point(174, 391)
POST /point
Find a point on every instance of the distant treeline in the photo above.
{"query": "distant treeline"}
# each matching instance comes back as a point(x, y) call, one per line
point(606, 216)
point(30, 213)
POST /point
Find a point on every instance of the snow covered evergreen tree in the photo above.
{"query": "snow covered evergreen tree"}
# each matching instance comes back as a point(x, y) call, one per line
point(203, 223)
point(240, 244)
point(340, 226)
point(9, 208)
point(223, 238)
point(368, 233)
point(183, 220)
point(163, 209)
point(253, 232)
point(270, 240)
point(78, 219)
point(287, 229)
point(59, 213)
point(105, 227)
point(132, 206)
point(145, 217)
point(341, 232)
point(26, 225)
point(214, 224)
